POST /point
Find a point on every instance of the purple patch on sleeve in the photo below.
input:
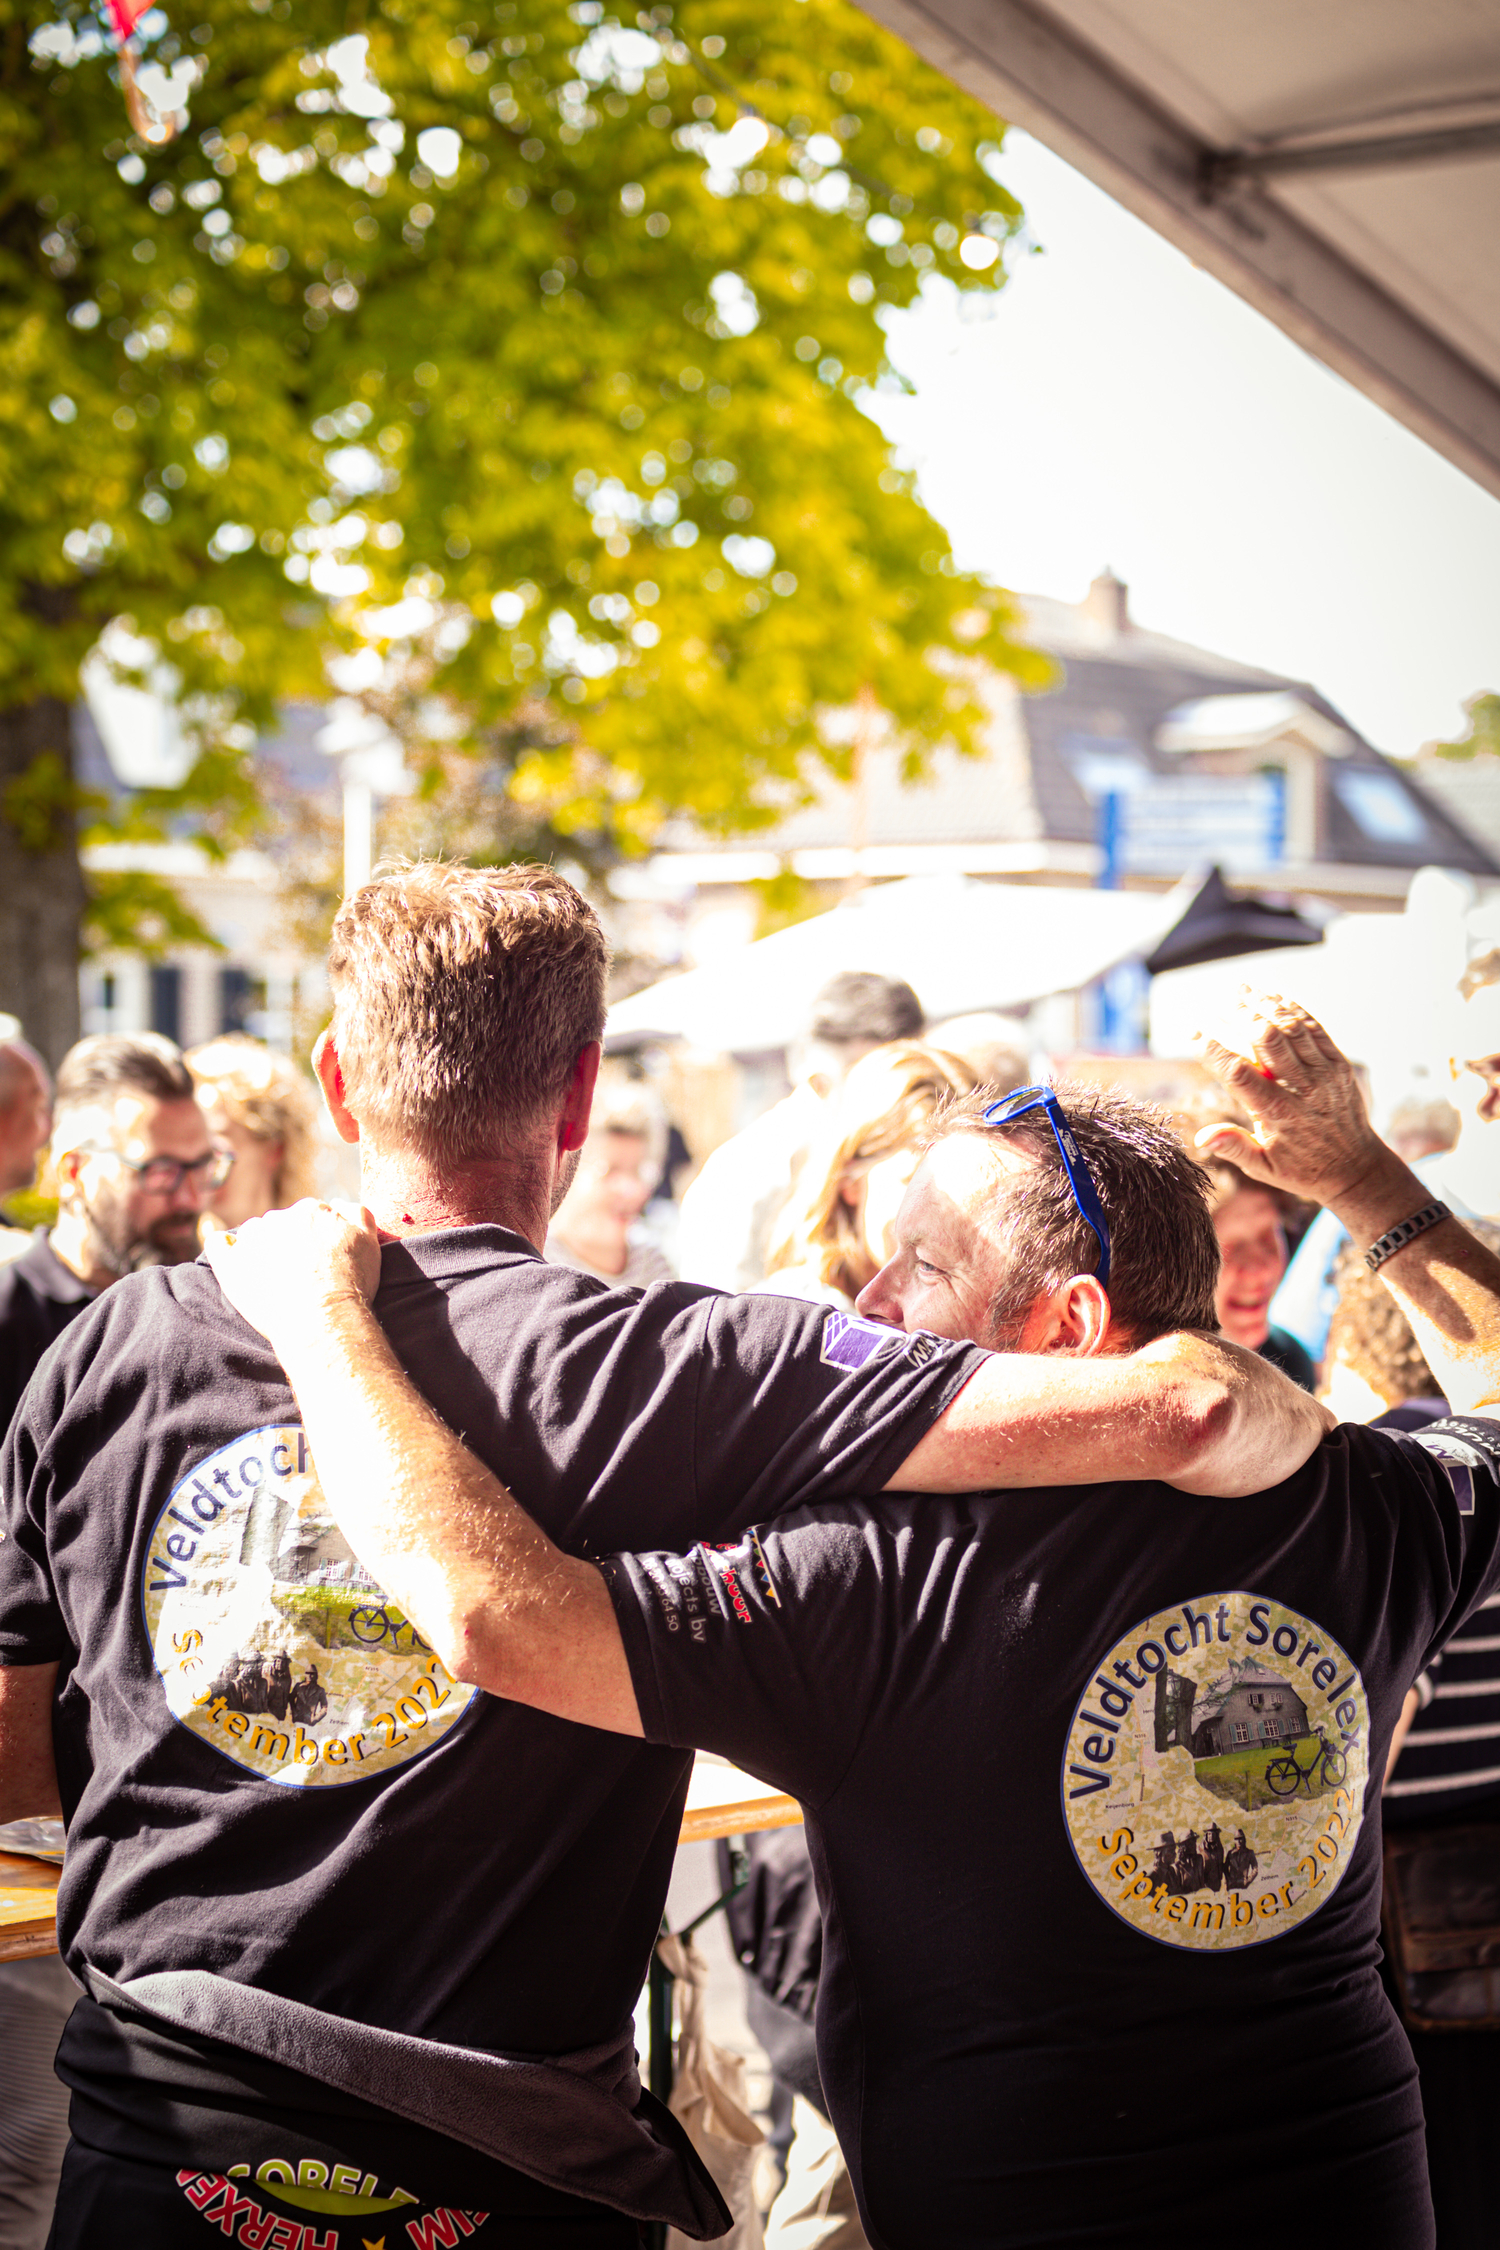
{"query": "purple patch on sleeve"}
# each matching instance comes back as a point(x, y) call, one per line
point(849, 1341)
point(1462, 1481)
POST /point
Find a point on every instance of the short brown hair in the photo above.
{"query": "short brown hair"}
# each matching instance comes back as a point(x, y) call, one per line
point(95, 1072)
point(462, 999)
point(1164, 1255)
point(1371, 1335)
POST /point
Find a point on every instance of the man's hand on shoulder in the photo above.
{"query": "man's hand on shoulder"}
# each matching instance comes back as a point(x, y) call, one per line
point(282, 1270)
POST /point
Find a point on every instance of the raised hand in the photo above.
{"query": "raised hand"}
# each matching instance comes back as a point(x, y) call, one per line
point(1309, 1131)
point(278, 1271)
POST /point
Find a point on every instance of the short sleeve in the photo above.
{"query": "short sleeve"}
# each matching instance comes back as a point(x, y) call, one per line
point(1448, 1526)
point(770, 1651)
point(801, 1405)
point(32, 1630)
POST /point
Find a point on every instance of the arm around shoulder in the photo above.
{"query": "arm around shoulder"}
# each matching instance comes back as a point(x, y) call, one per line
point(1188, 1410)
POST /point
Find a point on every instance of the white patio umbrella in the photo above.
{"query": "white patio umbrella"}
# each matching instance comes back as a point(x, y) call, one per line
point(962, 945)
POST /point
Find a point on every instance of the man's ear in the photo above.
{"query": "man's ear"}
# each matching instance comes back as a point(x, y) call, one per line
point(1074, 1317)
point(573, 1120)
point(325, 1061)
point(66, 1168)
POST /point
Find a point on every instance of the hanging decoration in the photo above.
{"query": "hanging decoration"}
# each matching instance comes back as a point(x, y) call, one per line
point(153, 121)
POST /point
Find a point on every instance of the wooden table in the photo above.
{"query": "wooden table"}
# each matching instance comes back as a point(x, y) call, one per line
point(721, 1801)
point(28, 1906)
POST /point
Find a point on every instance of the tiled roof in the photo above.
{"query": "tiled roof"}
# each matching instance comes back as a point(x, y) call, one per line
point(1116, 690)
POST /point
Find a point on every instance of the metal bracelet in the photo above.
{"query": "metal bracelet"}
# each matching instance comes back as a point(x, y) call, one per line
point(1431, 1215)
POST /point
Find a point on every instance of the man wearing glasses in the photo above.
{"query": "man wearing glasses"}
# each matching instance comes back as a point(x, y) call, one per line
point(134, 1167)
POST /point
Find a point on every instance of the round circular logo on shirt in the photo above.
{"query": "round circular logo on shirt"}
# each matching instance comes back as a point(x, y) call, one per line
point(1214, 1779)
point(273, 1643)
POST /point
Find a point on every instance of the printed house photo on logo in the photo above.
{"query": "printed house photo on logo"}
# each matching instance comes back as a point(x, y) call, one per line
point(1242, 1730)
point(1210, 1799)
point(272, 1642)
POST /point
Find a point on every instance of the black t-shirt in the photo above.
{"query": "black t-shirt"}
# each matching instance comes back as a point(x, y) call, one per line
point(39, 1298)
point(266, 1774)
point(1097, 1841)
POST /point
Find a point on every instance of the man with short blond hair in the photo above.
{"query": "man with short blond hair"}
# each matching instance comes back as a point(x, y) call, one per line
point(462, 999)
point(369, 1960)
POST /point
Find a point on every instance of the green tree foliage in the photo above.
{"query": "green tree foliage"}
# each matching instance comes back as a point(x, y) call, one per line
point(1484, 730)
point(509, 352)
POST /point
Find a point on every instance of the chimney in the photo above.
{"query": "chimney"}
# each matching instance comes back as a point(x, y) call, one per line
point(1107, 605)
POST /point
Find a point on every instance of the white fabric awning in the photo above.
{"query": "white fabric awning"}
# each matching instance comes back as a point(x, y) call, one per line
point(962, 945)
point(1338, 167)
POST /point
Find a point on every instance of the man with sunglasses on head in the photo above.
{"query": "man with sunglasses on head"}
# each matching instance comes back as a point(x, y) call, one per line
point(320, 1964)
point(1045, 2016)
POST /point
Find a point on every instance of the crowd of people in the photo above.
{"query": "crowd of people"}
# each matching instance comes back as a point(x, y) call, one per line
point(892, 1493)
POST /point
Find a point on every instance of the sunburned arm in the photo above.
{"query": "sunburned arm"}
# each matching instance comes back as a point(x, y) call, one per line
point(28, 1777)
point(501, 1605)
point(1309, 1133)
point(1189, 1410)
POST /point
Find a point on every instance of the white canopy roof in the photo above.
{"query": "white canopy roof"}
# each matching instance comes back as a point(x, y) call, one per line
point(962, 945)
point(1338, 166)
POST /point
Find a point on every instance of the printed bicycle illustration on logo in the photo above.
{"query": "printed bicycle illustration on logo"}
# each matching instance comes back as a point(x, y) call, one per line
point(1286, 1775)
point(371, 1625)
point(1216, 1765)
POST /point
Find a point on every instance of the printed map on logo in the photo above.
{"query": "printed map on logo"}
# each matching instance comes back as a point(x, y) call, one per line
point(1214, 1779)
point(274, 1645)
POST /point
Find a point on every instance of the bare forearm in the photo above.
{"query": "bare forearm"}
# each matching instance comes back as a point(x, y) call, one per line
point(1189, 1410)
point(503, 1607)
point(1446, 1282)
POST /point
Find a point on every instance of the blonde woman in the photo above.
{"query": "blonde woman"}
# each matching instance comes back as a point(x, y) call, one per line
point(260, 1103)
point(834, 1235)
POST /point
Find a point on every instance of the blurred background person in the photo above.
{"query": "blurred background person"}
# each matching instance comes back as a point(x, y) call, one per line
point(1251, 1222)
point(1464, 1174)
point(834, 1234)
point(25, 1122)
point(1444, 1777)
point(995, 1048)
point(260, 1105)
point(729, 1210)
point(134, 1165)
point(831, 1239)
point(597, 1226)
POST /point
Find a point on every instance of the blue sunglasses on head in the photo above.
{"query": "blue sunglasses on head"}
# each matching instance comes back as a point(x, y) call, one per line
point(1085, 1194)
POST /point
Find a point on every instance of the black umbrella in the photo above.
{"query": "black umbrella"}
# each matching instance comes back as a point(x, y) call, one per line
point(1221, 923)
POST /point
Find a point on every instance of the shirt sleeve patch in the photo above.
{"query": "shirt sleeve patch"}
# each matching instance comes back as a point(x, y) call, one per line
point(849, 1341)
point(1463, 1449)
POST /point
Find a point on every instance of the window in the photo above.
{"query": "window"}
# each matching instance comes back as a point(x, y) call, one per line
point(1270, 1730)
point(1241, 1731)
point(1381, 806)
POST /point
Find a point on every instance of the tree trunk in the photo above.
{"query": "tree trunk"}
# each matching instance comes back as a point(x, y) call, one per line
point(41, 882)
